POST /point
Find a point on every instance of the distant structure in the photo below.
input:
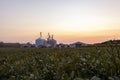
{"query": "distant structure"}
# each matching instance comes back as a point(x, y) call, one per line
point(27, 45)
point(77, 44)
point(61, 45)
point(50, 42)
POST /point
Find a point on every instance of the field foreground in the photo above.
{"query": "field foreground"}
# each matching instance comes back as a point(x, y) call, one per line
point(85, 63)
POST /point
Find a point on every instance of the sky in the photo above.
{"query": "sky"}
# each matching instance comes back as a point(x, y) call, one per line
point(89, 21)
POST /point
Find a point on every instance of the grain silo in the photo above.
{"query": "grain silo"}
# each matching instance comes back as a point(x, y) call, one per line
point(53, 42)
point(40, 42)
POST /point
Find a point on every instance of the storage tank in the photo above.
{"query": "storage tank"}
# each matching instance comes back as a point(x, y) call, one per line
point(51, 41)
point(40, 42)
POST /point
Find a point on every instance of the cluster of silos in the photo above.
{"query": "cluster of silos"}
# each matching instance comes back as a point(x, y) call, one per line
point(50, 42)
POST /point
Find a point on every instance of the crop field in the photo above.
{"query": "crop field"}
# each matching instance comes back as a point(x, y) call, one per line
point(85, 63)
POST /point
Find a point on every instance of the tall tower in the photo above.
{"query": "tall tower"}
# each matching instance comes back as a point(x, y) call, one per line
point(48, 39)
point(40, 34)
point(52, 37)
point(48, 35)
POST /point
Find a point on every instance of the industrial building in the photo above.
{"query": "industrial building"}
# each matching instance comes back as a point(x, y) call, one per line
point(49, 42)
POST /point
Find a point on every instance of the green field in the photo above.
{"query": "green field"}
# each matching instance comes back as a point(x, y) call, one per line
point(60, 64)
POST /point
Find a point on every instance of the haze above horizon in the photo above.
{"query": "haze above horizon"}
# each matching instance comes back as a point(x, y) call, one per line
point(89, 21)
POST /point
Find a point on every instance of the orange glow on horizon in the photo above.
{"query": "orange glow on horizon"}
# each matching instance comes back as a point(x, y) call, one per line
point(63, 37)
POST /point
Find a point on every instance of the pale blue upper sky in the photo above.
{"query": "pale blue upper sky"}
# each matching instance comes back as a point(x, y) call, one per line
point(25, 18)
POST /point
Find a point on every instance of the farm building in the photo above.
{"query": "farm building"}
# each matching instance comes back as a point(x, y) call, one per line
point(78, 44)
point(50, 42)
point(61, 45)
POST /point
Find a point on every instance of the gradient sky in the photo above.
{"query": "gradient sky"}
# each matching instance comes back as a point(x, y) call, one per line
point(89, 21)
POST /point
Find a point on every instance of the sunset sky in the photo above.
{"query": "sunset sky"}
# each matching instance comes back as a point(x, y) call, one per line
point(89, 21)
